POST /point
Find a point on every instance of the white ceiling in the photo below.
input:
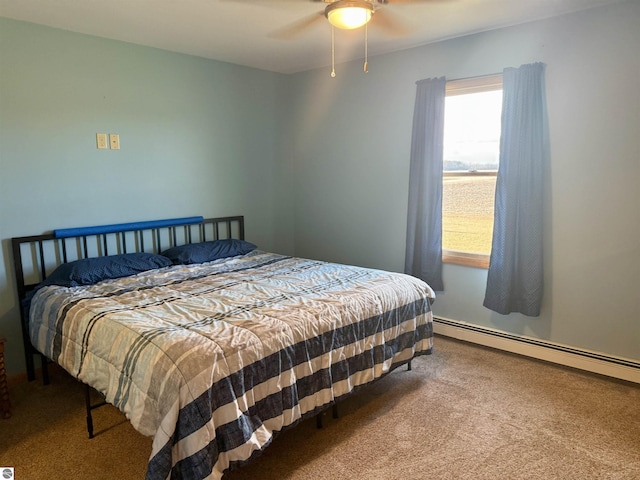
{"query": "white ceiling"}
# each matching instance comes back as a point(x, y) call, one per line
point(242, 31)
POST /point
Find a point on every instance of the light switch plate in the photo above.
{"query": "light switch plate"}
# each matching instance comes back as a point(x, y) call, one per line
point(101, 140)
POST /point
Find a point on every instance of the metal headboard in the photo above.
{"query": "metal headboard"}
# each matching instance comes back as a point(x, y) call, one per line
point(37, 256)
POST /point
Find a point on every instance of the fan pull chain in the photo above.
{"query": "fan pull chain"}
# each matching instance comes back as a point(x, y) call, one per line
point(366, 47)
point(333, 53)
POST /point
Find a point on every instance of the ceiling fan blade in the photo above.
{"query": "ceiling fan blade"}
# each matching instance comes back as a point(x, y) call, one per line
point(267, 2)
point(391, 23)
point(297, 28)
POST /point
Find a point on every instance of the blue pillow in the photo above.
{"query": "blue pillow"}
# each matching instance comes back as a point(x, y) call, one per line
point(88, 271)
point(208, 251)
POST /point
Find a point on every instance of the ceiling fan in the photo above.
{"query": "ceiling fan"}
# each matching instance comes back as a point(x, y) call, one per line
point(350, 15)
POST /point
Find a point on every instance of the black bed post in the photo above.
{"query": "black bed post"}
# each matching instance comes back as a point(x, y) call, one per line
point(31, 369)
point(45, 369)
point(28, 349)
point(87, 401)
point(28, 354)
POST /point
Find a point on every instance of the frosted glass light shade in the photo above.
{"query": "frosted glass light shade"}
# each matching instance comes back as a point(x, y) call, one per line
point(349, 14)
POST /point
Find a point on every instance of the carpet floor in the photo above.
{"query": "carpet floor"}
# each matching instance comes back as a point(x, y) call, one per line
point(465, 412)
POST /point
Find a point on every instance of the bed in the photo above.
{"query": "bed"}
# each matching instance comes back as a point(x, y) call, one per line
point(205, 342)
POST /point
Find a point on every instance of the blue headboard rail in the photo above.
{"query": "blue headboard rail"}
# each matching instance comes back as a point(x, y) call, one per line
point(125, 227)
point(36, 256)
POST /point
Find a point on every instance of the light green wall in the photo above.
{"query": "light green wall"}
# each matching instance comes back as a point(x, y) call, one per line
point(197, 137)
point(351, 140)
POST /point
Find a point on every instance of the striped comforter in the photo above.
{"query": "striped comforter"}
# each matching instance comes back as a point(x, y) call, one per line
point(212, 360)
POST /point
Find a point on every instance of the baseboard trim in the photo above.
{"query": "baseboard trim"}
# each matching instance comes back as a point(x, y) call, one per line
point(595, 362)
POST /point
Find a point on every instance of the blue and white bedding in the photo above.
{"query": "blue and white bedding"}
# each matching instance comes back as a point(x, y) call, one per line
point(213, 359)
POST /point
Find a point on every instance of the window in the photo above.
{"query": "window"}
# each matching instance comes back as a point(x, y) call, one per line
point(471, 152)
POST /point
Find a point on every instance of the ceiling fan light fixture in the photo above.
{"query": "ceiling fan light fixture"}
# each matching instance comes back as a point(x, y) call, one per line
point(349, 14)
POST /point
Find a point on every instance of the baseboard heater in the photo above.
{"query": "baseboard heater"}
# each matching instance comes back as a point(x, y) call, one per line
point(595, 362)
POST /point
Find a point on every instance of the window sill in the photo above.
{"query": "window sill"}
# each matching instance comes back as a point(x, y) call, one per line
point(466, 259)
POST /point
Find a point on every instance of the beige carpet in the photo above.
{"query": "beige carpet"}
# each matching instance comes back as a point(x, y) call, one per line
point(465, 412)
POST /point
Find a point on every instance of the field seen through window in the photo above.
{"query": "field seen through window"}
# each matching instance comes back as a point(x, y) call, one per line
point(467, 213)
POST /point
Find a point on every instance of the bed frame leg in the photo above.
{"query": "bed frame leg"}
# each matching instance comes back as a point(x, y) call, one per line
point(334, 411)
point(409, 366)
point(90, 407)
point(87, 400)
point(31, 369)
point(45, 369)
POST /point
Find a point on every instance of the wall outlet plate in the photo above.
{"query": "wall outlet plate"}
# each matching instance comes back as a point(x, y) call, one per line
point(114, 141)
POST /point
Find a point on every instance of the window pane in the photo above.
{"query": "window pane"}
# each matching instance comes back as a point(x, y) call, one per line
point(472, 131)
point(467, 213)
point(471, 154)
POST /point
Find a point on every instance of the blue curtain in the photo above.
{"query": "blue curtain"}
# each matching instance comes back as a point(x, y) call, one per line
point(514, 281)
point(423, 257)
